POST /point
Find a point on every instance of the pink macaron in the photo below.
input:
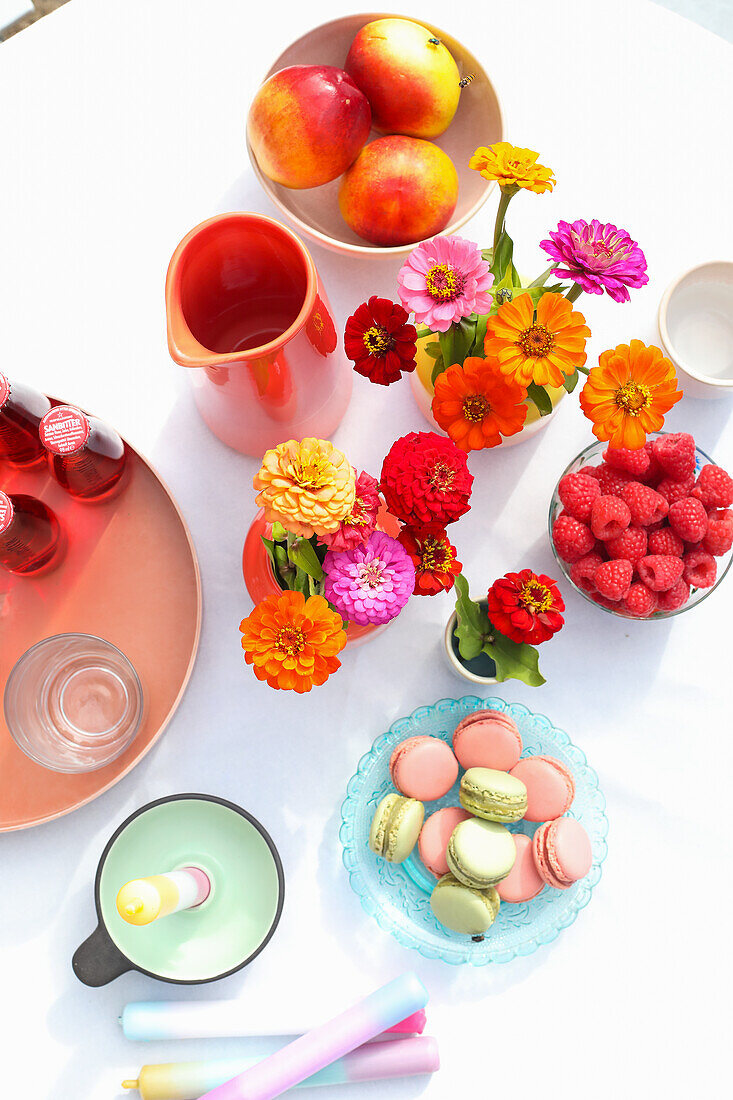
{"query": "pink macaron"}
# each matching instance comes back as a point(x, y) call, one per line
point(550, 787)
point(423, 768)
point(487, 739)
point(524, 881)
point(562, 852)
point(433, 840)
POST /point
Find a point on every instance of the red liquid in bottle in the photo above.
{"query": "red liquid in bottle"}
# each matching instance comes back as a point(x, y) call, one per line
point(86, 457)
point(21, 411)
point(30, 534)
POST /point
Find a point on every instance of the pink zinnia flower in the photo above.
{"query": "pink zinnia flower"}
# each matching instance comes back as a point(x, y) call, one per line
point(361, 520)
point(372, 583)
point(444, 280)
point(597, 257)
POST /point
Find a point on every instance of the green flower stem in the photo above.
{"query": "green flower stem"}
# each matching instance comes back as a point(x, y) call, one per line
point(574, 293)
point(500, 217)
point(583, 370)
point(423, 330)
point(542, 279)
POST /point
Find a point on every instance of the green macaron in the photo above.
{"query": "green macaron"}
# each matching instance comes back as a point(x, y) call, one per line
point(463, 909)
point(493, 795)
point(395, 827)
point(480, 853)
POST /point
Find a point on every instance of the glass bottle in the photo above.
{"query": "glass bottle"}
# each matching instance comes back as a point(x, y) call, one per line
point(30, 534)
point(86, 457)
point(21, 411)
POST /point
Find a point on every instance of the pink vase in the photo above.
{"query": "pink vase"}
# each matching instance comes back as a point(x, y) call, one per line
point(260, 581)
point(247, 313)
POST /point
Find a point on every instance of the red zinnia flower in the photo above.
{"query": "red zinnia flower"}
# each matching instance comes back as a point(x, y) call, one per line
point(425, 480)
point(380, 342)
point(434, 558)
point(526, 606)
point(320, 329)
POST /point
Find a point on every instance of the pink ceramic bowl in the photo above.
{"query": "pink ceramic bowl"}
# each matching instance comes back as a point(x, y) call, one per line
point(478, 121)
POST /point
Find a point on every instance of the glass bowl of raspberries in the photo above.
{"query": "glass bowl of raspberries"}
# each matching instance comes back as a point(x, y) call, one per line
point(644, 534)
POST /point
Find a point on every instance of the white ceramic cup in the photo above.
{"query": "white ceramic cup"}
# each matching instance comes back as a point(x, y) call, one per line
point(696, 329)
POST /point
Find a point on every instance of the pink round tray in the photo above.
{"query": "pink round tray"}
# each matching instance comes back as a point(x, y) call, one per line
point(129, 575)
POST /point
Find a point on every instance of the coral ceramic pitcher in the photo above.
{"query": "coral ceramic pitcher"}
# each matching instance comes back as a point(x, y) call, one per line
point(247, 313)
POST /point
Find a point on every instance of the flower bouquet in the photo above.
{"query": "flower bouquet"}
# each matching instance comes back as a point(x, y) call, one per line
point(331, 561)
point(493, 352)
point(520, 611)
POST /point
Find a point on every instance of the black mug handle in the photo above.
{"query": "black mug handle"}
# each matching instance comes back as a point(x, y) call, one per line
point(98, 961)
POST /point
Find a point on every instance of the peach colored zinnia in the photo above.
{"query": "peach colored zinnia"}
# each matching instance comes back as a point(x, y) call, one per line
point(292, 642)
point(537, 346)
point(306, 485)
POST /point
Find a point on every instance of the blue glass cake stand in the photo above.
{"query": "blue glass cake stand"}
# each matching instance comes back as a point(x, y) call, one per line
point(398, 895)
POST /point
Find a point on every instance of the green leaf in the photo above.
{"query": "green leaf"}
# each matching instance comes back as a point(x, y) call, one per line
point(472, 624)
point(464, 332)
point(446, 347)
point(488, 255)
point(279, 533)
point(480, 336)
point(570, 381)
point(432, 349)
point(303, 556)
point(539, 396)
point(514, 660)
point(438, 369)
point(503, 255)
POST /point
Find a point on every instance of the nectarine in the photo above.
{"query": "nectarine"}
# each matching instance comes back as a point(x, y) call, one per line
point(307, 124)
point(399, 190)
point(408, 76)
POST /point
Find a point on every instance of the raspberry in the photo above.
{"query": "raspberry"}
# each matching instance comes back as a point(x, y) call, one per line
point(577, 493)
point(675, 597)
point(610, 480)
point(714, 487)
point(719, 537)
point(582, 573)
point(611, 605)
point(609, 517)
point(689, 519)
point(654, 473)
point(675, 453)
point(630, 544)
point(647, 506)
point(613, 578)
point(631, 462)
point(640, 601)
point(700, 569)
point(660, 572)
point(573, 540)
point(665, 541)
point(673, 490)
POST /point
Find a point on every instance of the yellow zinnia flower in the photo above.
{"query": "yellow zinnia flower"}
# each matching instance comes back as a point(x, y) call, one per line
point(628, 393)
point(512, 168)
point(541, 345)
point(306, 485)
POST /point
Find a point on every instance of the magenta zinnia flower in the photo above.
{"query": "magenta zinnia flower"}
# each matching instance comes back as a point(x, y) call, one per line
point(361, 520)
point(444, 280)
point(597, 257)
point(372, 583)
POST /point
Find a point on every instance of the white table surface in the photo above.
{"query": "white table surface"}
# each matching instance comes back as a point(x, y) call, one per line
point(122, 126)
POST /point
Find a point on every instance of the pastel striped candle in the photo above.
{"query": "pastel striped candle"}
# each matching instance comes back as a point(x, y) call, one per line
point(325, 1044)
point(144, 900)
point(160, 1021)
point(373, 1062)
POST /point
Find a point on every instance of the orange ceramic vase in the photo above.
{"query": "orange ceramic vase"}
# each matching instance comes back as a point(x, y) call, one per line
point(247, 313)
point(260, 581)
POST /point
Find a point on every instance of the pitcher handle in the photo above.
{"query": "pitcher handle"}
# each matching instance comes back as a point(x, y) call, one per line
point(98, 961)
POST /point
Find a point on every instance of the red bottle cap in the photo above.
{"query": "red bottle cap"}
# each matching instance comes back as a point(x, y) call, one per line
point(64, 430)
point(6, 511)
point(4, 389)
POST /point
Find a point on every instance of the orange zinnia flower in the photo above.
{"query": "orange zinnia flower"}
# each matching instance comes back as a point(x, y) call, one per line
point(537, 347)
point(627, 395)
point(292, 642)
point(476, 404)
